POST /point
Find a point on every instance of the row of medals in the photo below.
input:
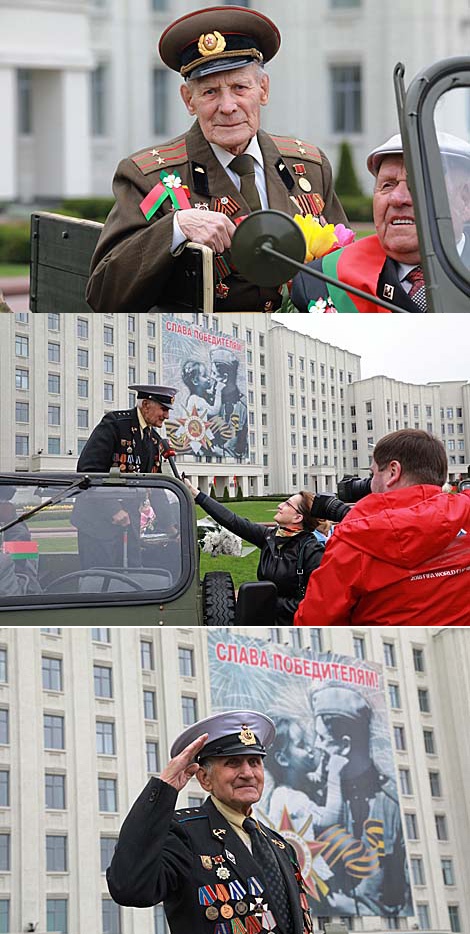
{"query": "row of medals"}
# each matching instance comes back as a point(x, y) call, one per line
point(241, 906)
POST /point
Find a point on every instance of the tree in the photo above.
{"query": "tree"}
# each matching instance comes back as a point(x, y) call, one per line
point(226, 495)
point(346, 182)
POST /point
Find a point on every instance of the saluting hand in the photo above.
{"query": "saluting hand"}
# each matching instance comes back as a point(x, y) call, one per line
point(180, 769)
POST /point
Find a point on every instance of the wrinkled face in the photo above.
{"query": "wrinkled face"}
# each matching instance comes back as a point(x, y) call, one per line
point(227, 105)
point(154, 412)
point(237, 781)
point(288, 512)
point(394, 217)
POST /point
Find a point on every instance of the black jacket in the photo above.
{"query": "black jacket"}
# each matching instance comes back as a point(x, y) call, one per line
point(173, 856)
point(278, 558)
point(117, 442)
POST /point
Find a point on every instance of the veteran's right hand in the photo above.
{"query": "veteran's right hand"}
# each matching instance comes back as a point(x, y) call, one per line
point(180, 769)
point(210, 228)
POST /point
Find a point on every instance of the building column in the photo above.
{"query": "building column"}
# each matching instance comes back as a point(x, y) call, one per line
point(8, 180)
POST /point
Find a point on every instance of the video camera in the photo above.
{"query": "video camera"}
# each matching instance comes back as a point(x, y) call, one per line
point(352, 488)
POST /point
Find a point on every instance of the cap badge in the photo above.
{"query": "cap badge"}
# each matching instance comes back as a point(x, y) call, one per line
point(210, 43)
point(247, 737)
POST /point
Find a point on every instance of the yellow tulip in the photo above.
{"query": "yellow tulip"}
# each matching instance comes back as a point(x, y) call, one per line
point(319, 240)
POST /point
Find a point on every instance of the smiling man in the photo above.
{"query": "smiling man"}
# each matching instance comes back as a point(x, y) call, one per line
point(190, 188)
point(214, 867)
point(387, 264)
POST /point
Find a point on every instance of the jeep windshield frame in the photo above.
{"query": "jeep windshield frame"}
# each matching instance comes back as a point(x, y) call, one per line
point(169, 555)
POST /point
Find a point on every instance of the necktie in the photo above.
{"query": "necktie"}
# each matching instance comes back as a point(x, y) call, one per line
point(418, 289)
point(270, 869)
point(244, 166)
point(150, 450)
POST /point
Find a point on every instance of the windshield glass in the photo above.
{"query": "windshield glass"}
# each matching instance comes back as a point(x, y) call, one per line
point(452, 123)
point(104, 540)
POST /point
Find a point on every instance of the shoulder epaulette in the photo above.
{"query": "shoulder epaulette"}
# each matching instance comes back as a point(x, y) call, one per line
point(160, 157)
point(297, 148)
point(186, 814)
point(120, 413)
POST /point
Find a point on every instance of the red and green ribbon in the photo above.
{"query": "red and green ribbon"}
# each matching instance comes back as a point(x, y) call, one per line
point(161, 191)
point(21, 550)
point(360, 265)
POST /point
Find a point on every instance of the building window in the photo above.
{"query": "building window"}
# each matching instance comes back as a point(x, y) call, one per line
point(316, 639)
point(21, 346)
point(101, 635)
point(108, 335)
point(359, 647)
point(56, 853)
point(53, 352)
point(108, 363)
point(5, 915)
point(150, 707)
point(423, 700)
point(346, 98)
point(189, 708)
point(422, 911)
point(108, 392)
point(55, 791)
point(447, 872)
point(98, 101)
point(399, 737)
point(107, 845)
point(411, 823)
point(146, 655)
point(429, 743)
point(441, 826)
point(105, 745)
point(435, 784)
point(53, 415)
point(186, 662)
point(56, 909)
point(4, 852)
point(405, 781)
point(82, 358)
point(107, 794)
point(159, 100)
point(418, 660)
point(82, 328)
point(394, 696)
point(21, 382)
point(4, 788)
point(51, 673)
point(160, 925)
point(151, 754)
point(417, 870)
point(3, 666)
point(25, 101)
point(344, 4)
point(54, 733)
point(82, 418)
point(22, 412)
point(454, 918)
point(102, 675)
point(82, 388)
point(111, 917)
point(389, 655)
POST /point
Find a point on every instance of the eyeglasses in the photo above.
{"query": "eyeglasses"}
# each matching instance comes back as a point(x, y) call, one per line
point(287, 502)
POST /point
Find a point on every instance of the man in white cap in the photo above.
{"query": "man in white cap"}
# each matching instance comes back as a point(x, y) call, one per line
point(388, 264)
point(215, 868)
point(198, 186)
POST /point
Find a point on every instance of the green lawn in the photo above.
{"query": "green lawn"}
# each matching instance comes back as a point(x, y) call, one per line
point(241, 569)
point(13, 269)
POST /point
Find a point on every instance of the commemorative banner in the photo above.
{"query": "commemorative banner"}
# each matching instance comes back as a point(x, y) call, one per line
point(330, 784)
point(208, 370)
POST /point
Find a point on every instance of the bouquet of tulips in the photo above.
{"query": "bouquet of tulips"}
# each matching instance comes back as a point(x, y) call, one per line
point(320, 239)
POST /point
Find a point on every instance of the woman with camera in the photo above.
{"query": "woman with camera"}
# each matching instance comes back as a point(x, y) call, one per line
point(289, 550)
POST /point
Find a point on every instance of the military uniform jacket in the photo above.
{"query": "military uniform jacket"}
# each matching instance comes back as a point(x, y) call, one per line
point(133, 269)
point(117, 442)
point(196, 864)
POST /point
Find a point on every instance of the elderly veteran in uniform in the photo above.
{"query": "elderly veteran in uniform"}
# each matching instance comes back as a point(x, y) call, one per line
point(126, 440)
point(197, 186)
point(215, 868)
point(388, 264)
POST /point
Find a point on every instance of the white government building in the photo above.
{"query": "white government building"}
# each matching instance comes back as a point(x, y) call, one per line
point(311, 418)
point(86, 715)
point(82, 85)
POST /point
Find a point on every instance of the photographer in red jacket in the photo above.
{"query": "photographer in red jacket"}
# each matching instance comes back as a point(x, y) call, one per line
point(396, 558)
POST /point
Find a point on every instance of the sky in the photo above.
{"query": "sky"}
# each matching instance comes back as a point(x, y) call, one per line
point(412, 348)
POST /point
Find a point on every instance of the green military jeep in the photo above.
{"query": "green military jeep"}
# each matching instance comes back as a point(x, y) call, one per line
point(64, 561)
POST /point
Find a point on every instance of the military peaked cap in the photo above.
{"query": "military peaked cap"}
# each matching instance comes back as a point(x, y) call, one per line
point(233, 733)
point(165, 395)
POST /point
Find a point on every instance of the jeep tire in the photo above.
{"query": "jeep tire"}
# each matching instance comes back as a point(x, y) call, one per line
point(218, 599)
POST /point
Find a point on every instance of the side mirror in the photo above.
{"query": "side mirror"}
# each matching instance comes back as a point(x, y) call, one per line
point(268, 247)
